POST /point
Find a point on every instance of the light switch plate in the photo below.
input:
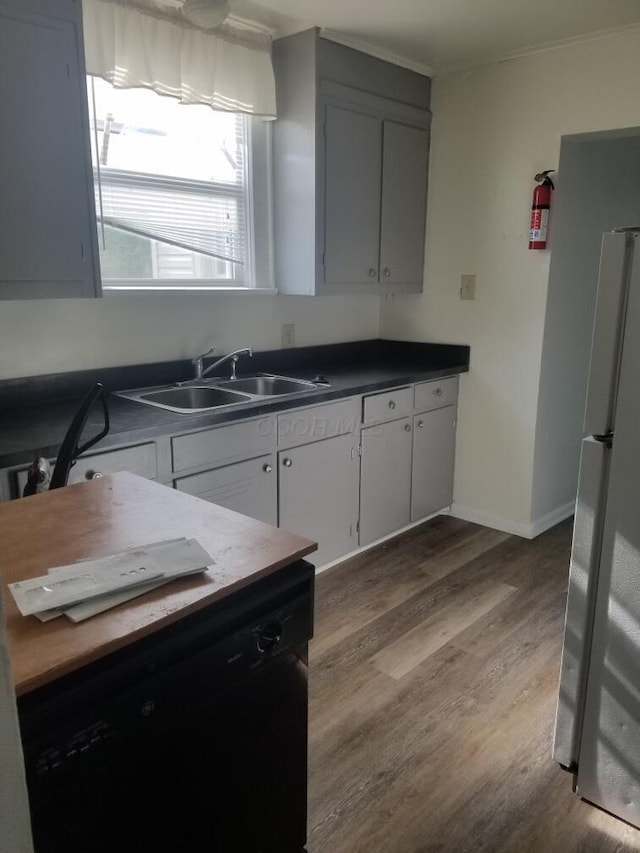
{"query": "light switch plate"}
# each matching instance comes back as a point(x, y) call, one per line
point(468, 287)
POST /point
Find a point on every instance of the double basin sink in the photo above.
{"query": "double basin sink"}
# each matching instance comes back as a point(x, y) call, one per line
point(202, 396)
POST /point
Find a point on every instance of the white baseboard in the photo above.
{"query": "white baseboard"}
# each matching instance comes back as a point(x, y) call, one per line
point(517, 528)
point(364, 548)
point(466, 513)
point(546, 522)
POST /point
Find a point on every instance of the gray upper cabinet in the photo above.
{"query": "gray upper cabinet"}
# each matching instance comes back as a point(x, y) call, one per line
point(404, 204)
point(47, 208)
point(352, 201)
point(351, 149)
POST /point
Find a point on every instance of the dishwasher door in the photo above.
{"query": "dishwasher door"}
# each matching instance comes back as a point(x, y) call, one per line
point(208, 753)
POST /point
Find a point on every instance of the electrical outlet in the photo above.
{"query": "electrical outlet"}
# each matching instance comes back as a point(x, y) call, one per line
point(288, 335)
point(468, 287)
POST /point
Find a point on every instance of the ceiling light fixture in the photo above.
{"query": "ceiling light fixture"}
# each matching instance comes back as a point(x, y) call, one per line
point(207, 14)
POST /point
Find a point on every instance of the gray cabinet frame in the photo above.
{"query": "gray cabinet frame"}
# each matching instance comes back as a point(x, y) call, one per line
point(47, 205)
point(306, 69)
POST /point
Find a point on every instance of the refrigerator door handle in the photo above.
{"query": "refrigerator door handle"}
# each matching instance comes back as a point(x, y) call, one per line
point(608, 330)
point(583, 581)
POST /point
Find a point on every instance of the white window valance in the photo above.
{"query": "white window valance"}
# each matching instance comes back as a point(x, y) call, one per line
point(134, 44)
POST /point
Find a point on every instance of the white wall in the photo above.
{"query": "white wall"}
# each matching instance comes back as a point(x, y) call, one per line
point(58, 335)
point(599, 190)
point(493, 129)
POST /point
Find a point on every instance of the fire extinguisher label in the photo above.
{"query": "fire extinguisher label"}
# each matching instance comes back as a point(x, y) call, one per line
point(539, 225)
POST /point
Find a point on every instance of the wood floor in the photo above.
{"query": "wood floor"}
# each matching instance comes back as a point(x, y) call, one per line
point(433, 685)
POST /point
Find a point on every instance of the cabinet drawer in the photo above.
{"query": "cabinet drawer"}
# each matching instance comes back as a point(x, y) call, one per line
point(223, 444)
point(434, 395)
point(388, 406)
point(140, 459)
point(306, 425)
point(246, 487)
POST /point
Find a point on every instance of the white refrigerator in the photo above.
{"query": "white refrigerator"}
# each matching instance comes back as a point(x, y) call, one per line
point(597, 734)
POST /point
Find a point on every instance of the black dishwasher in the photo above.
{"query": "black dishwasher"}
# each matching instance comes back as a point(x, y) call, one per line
point(193, 739)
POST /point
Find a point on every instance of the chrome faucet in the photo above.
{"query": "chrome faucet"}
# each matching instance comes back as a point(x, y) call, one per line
point(197, 362)
point(233, 356)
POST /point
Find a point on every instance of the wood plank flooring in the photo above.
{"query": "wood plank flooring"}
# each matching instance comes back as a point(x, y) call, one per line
point(433, 682)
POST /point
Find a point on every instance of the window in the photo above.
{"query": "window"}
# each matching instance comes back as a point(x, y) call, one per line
point(177, 192)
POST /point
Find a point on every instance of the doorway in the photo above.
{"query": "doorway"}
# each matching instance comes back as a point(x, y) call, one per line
point(598, 190)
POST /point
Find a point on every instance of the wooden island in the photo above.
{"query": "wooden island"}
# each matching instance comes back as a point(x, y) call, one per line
point(175, 721)
point(103, 517)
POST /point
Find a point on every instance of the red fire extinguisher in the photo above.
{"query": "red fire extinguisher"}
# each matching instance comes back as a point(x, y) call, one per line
point(540, 210)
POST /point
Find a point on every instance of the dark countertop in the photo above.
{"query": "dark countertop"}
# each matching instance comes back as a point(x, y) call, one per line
point(28, 430)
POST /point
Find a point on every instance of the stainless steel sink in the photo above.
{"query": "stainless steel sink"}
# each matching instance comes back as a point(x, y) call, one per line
point(268, 386)
point(188, 398)
point(203, 396)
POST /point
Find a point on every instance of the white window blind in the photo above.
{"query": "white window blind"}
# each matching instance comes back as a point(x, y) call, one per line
point(173, 176)
point(201, 217)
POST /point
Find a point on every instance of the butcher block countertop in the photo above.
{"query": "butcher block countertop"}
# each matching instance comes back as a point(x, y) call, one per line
point(108, 515)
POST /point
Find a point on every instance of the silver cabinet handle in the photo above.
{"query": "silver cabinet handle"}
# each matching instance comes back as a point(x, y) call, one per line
point(420, 424)
point(267, 468)
point(387, 272)
point(407, 427)
point(438, 392)
point(392, 404)
point(372, 272)
point(93, 475)
point(287, 462)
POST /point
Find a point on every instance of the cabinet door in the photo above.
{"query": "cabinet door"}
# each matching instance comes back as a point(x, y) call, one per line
point(433, 460)
point(404, 205)
point(47, 208)
point(318, 493)
point(385, 479)
point(353, 160)
point(246, 487)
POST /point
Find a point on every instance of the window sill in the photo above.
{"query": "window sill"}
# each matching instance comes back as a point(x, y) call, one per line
point(181, 288)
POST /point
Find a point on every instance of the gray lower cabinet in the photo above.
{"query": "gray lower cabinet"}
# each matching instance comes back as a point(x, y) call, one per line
point(250, 487)
point(319, 483)
point(47, 205)
point(141, 459)
point(385, 476)
point(318, 495)
point(433, 460)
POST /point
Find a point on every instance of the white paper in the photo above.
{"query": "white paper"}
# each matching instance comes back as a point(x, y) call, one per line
point(75, 583)
point(177, 557)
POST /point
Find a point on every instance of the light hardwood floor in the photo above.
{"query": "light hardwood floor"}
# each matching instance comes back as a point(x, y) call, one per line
point(433, 685)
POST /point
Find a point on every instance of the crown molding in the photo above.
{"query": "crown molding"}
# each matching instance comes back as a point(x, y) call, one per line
point(444, 70)
point(545, 47)
point(378, 52)
point(357, 44)
point(292, 29)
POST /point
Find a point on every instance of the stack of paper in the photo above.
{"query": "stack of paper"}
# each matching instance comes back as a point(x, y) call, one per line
point(90, 587)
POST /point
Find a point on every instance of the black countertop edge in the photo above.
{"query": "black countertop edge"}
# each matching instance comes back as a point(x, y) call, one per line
point(57, 387)
point(37, 430)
